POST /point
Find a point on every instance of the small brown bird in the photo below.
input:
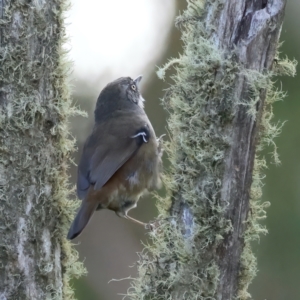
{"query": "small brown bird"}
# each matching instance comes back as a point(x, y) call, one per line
point(121, 159)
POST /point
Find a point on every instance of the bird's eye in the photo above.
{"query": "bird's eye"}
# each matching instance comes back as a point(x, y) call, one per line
point(133, 87)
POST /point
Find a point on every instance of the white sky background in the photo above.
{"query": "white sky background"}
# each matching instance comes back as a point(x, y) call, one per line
point(117, 37)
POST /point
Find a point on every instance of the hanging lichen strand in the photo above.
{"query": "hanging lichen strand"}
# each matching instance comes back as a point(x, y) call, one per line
point(183, 261)
point(35, 147)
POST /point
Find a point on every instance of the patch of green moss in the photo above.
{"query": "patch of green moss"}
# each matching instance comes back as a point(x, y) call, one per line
point(36, 145)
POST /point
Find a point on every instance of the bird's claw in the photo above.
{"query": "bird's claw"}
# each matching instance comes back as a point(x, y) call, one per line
point(150, 226)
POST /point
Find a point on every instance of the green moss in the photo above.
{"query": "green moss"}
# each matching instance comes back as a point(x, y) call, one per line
point(36, 145)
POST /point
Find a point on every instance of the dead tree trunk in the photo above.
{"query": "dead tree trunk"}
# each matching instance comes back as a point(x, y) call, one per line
point(220, 112)
point(36, 260)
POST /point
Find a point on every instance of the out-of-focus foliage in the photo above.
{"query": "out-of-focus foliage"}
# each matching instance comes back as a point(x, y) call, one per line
point(84, 291)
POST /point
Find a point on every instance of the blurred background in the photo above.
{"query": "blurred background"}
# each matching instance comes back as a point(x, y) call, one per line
point(110, 39)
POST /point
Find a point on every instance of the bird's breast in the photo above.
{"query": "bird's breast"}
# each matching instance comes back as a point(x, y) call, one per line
point(142, 170)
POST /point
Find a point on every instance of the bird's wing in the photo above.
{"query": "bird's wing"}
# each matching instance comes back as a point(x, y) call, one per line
point(106, 150)
point(105, 162)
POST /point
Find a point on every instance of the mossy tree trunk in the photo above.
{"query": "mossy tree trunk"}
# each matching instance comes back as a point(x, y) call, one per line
point(36, 260)
point(220, 113)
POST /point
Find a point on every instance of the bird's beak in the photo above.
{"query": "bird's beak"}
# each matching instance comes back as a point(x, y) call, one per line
point(138, 80)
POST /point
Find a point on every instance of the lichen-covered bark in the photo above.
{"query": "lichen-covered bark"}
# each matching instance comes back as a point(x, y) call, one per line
point(36, 260)
point(220, 113)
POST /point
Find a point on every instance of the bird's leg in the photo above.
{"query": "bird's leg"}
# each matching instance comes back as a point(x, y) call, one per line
point(136, 221)
point(127, 206)
point(147, 226)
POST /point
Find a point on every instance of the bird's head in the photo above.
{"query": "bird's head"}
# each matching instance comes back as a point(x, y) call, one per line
point(120, 94)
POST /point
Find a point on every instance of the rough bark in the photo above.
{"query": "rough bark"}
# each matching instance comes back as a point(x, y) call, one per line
point(251, 29)
point(36, 260)
point(220, 112)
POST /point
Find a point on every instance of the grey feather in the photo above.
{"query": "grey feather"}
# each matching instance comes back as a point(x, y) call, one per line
point(106, 150)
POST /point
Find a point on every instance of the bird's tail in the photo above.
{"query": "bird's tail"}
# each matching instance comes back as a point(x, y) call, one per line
point(83, 216)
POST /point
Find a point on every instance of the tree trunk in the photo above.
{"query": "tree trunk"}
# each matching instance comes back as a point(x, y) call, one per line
point(220, 113)
point(36, 260)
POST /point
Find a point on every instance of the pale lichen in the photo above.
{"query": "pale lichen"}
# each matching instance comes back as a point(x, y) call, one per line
point(182, 262)
point(268, 132)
